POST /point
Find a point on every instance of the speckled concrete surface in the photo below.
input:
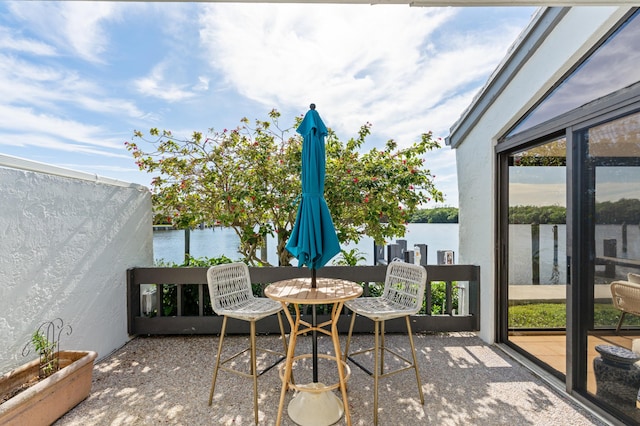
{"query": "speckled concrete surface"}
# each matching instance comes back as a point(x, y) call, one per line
point(165, 380)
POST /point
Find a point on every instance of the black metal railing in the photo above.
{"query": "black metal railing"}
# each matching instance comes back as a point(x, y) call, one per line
point(466, 277)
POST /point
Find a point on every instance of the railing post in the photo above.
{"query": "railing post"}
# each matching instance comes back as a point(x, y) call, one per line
point(187, 244)
point(159, 293)
point(378, 255)
point(201, 299)
point(423, 248)
point(394, 251)
point(474, 298)
point(610, 249)
point(535, 253)
point(179, 298)
point(133, 296)
point(463, 299)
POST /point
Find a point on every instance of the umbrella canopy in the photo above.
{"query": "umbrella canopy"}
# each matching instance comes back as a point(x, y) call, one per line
point(313, 240)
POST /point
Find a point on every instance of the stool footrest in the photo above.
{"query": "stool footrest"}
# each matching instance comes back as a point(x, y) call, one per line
point(317, 387)
point(409, 365)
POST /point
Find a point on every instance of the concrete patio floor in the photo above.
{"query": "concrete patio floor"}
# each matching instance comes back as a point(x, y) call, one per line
point(166, 380)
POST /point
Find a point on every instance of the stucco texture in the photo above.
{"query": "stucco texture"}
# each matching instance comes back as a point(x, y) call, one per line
point(65, 247)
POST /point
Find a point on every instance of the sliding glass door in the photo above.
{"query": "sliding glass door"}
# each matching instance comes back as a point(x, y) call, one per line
point(609, 188)
point(536, 227)
point(569, 230)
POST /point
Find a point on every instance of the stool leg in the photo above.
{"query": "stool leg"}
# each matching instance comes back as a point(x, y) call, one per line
point(290, 354)
point(254, 370)
point(346, 347)
point(215, 369)
point(620, 322)
point(284, 338)
point(415, 360)
point(336, 348)
point(376, 370)
point(382, 346)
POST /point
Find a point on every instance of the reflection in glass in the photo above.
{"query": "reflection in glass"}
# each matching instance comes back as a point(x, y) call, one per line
point(537, 274)
point(613, 66)
point(614, 166)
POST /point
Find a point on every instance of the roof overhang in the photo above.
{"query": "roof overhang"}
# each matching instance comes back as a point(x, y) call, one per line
point(427, 3)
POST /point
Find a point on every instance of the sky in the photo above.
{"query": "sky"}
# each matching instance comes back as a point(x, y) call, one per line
point(77, 78)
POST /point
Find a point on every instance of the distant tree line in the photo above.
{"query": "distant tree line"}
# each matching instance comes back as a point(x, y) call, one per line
point(436, 215)
point(537, 214)
point(618, 212)
point(607, 212)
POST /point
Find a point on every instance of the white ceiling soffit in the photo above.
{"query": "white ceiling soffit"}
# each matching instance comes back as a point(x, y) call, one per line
point(430, 3)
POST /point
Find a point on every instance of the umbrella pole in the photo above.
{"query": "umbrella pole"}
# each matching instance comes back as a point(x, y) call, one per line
point(315, 345)
point(314, 322)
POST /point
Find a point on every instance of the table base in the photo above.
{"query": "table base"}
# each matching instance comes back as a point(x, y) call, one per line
point(315, 406)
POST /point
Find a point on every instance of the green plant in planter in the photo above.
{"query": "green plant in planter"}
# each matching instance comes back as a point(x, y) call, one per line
point(46, 342)
point(46, 350)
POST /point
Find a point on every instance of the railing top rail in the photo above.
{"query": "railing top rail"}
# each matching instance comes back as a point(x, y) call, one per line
point(198, 275)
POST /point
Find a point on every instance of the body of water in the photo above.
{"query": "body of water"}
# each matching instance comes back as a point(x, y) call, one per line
point(169, 246)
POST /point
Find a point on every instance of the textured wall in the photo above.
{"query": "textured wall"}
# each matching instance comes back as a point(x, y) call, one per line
point(65, 245)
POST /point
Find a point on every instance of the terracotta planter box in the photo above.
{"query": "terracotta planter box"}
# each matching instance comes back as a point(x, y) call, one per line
point(50, 399)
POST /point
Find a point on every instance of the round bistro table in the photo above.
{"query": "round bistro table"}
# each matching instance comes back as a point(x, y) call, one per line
point(298, 292)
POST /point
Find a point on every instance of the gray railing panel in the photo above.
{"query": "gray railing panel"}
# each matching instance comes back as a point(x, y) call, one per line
point(200, 324)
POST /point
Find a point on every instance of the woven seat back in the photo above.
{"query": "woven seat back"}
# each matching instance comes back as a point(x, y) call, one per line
point(626, 296)
point(405, 285)
point(229, 286)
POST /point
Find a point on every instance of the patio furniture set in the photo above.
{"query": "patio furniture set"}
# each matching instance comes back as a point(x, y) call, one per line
point(314, 403)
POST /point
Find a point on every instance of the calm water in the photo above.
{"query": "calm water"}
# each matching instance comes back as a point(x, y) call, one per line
point(169, 245)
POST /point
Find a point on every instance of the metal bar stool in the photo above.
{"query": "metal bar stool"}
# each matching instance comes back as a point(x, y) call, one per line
point(232, 297)
point(403, 294)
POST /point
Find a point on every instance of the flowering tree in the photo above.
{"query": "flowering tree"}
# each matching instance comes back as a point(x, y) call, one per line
point(248, 179)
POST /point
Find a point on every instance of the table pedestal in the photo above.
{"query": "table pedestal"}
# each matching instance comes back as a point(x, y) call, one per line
point(315, 404)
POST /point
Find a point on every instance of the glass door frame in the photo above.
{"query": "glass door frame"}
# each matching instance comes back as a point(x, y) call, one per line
point(579, 229)
point(502, 241)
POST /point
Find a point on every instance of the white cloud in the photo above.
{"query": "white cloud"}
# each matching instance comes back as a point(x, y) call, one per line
point(202, 85)
point(48, 88)
point(76, 76)
point(25, 127)
point(357, 63)
point(156, 85)
point(10, 40)
point(71, 26)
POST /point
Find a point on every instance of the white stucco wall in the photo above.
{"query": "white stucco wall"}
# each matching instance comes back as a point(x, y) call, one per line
point(578, 31)
point(65, 245)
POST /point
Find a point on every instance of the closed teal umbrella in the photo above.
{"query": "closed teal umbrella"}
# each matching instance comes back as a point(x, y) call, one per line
point(313, 240)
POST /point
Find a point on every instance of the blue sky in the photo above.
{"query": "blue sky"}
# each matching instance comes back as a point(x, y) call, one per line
point(77, 78)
